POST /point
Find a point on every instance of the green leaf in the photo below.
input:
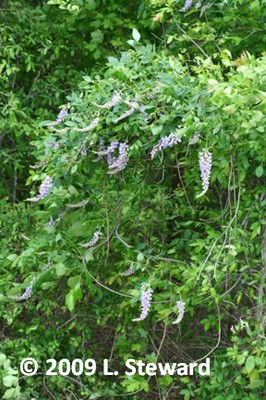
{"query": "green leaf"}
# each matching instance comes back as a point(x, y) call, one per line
point(250, 363)
point(74, 168)
point(73, 281)
point(89, 255)
point(70, 302)
point(136, 35)
point(60, 269)
point(12, 393)
point(259, 171)
point(10, 380)
point(2, 359)
point(156, 129)
point(140, 257)
point(113, 60)
point(12, 257)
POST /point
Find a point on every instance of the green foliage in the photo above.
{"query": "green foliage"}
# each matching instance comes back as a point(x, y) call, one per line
point(44, 53)
point(100, 233)
point(235, 25)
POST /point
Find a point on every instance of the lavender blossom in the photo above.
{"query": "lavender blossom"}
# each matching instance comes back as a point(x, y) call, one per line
point(62, 114)
point(81, 203)
point(43, 190)
point(51, 222)
point(130, 271)
point(63, 130)
point(181, 311)
point(205, 164)
point(109, 152)
point(90, 127)
point(39, 165)
point(46, 266)
point(113, 102)
point(26, 295)
point(132, 104)
point(60, 216)
point(187, 5)
point(167, 141)
point(93, 241)
point(101, 152)
point(45, 187)
point(195, 138)
point(54, 145)
point(146, 297)
point(117, 164)
point(198, 4)
point(133, 107)
point(145, 114)
point(83, 150)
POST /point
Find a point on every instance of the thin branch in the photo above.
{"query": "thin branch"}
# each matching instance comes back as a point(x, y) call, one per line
point(190, 38)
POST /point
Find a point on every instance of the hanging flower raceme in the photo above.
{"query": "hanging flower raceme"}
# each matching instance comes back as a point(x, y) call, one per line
point(133, 107)
point(113, 102)
point(181, 311)
point(187, 6)
point(90, 127)
point(195, 138)
point(130, 271)
point(50, 222)
point(54, 145)
point(39, 165)
point(205, 164)
point(46, 266)
point(110, 151)
point(26, 295)
point(102, 150)
point(83, 150)
point(146, 297)
point(167, 141)
point(44, 189)
point(117, 164)
point(93, 241)
point(62, 115)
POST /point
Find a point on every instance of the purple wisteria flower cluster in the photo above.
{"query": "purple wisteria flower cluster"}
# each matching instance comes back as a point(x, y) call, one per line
point(60, 117)
point(54, 145)
point(181, 311)
point(93, 241)
point(133, 107)
point(146, 297)
point(46, 266)
point(116, 163)
point(52, 222)
point(83, 150)
point(90, 127)
point(26, 295)
point(187, 6)
point(195, 138)
point(45, 187)
point(130, 271)
point(205, 164)
point(113, 102)
point(167, 141)
point(43, 190)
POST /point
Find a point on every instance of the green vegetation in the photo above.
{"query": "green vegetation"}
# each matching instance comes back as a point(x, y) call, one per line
point(151, 176)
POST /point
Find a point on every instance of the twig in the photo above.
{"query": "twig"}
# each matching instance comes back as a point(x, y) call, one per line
point(190, 38)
